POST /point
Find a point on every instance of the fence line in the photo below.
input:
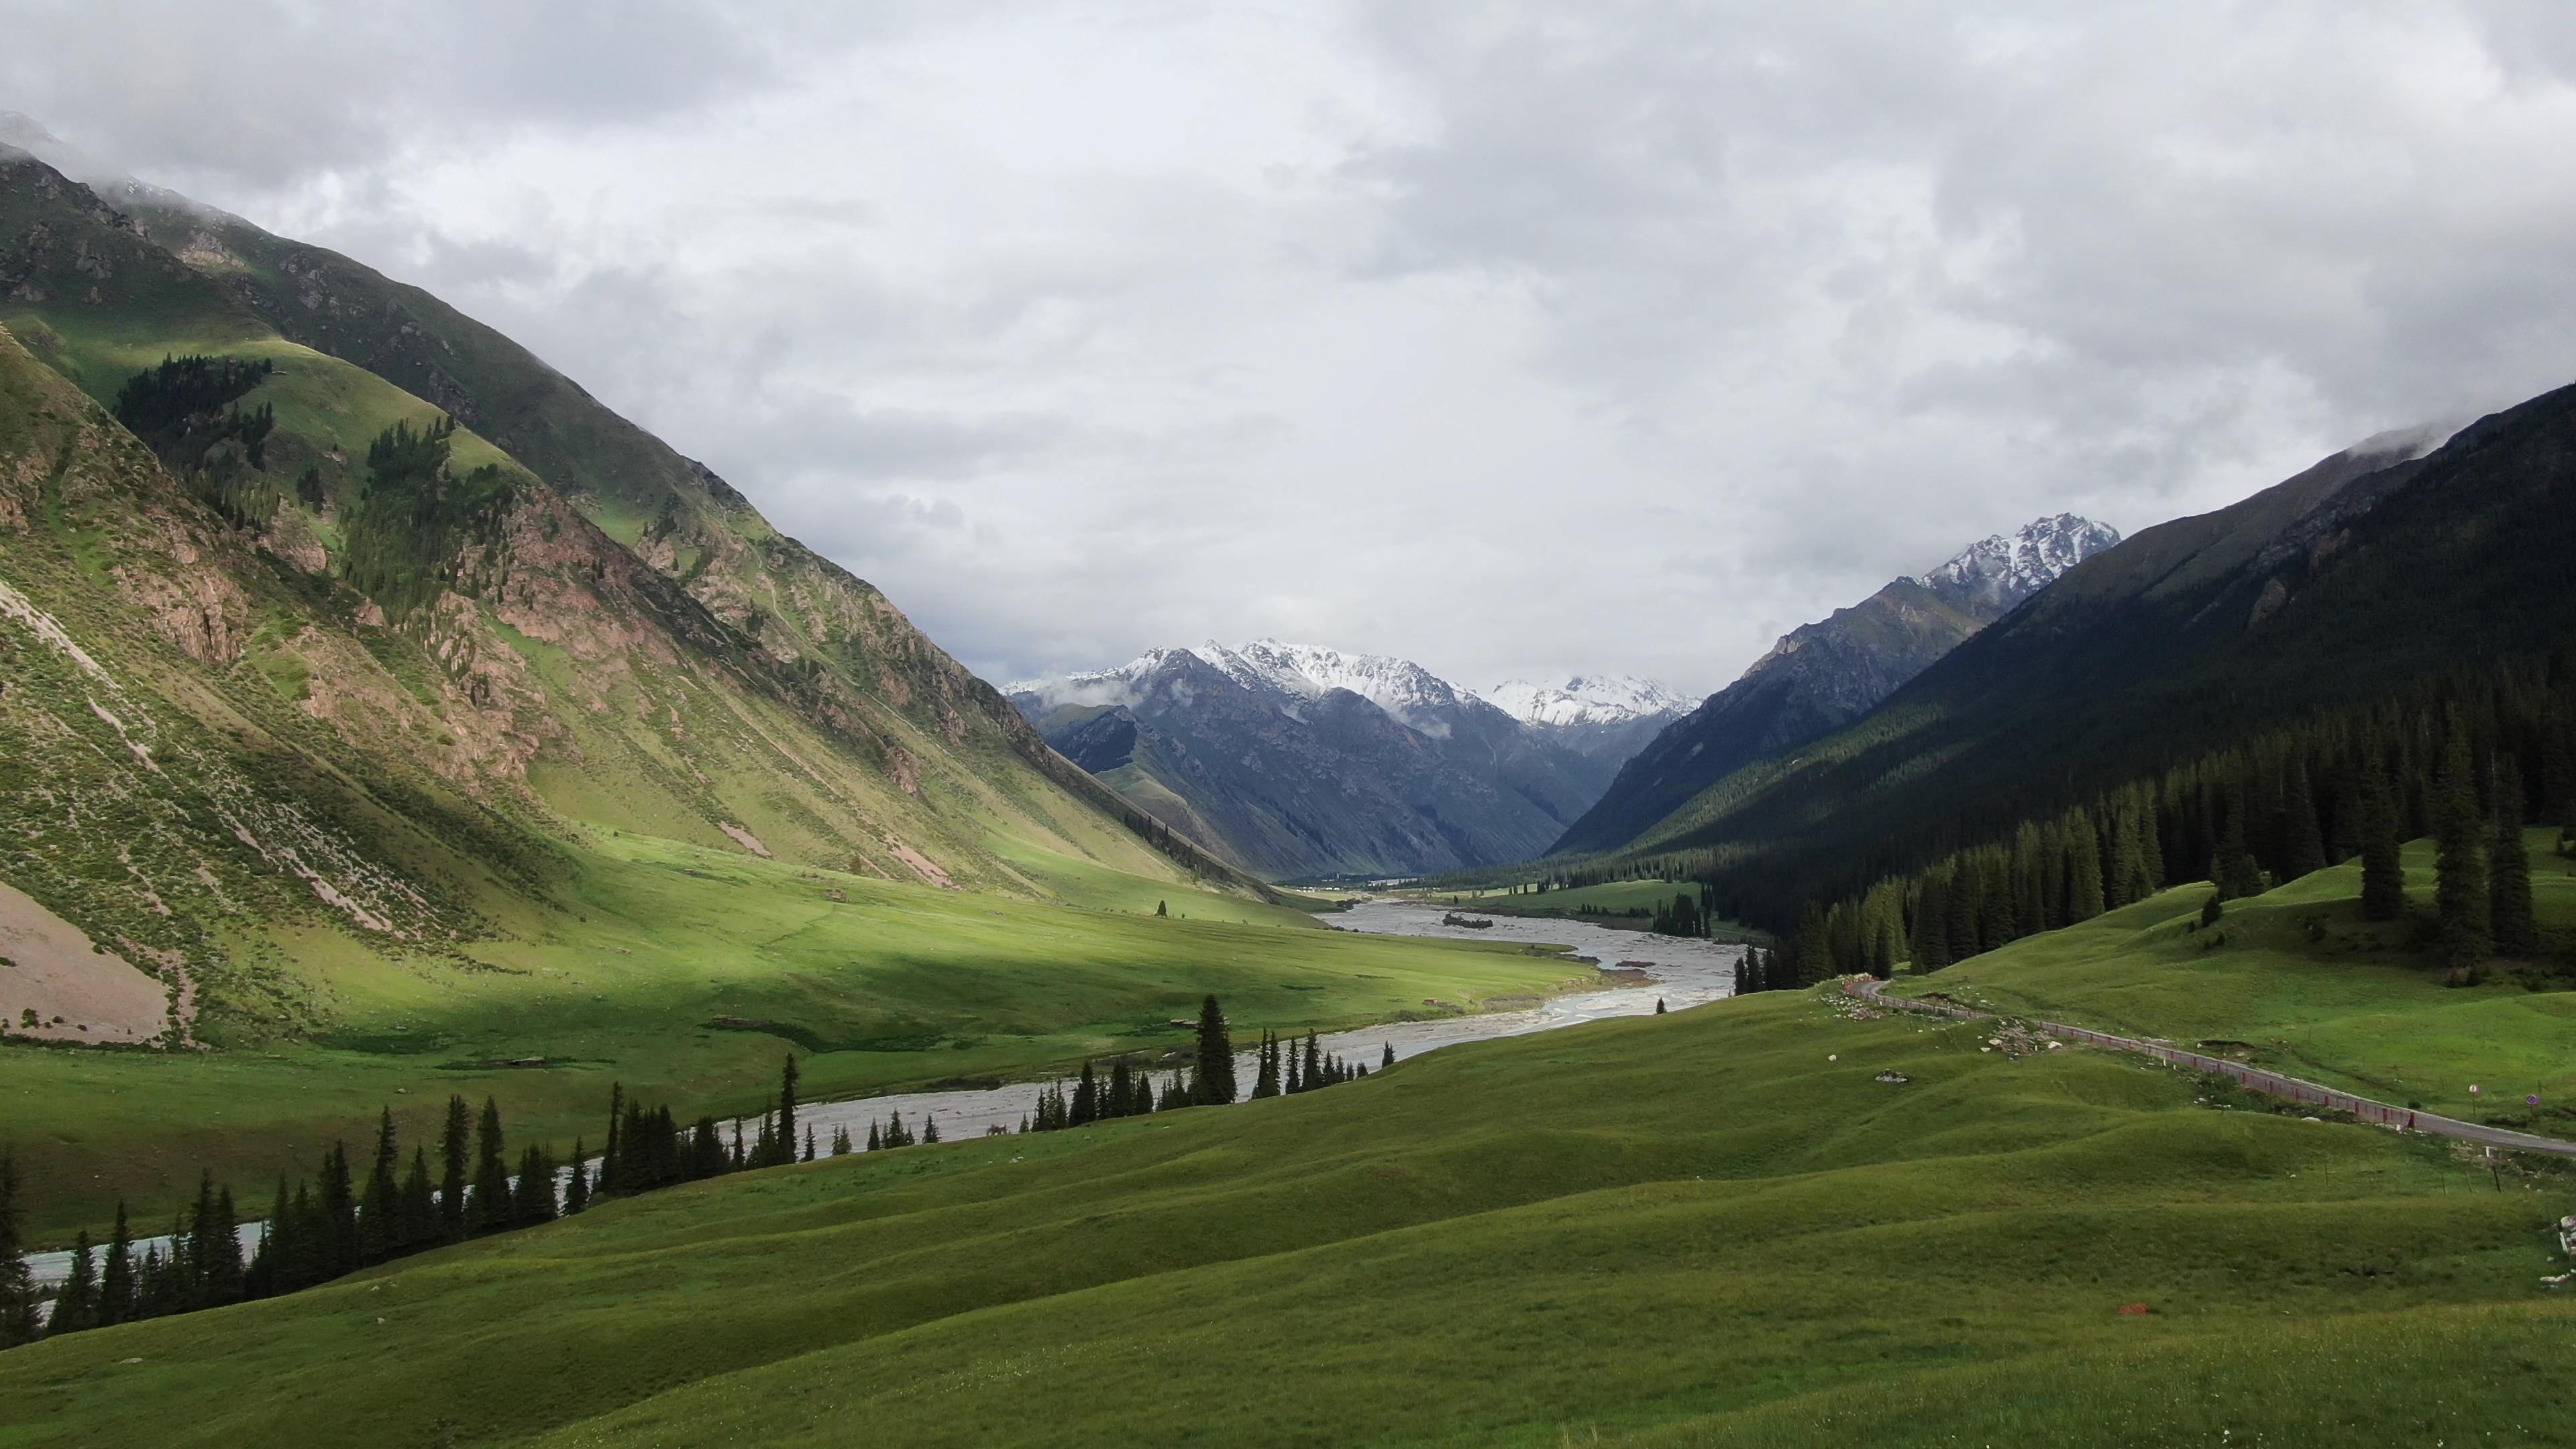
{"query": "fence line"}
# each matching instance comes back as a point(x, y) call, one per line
point(2269, 1083)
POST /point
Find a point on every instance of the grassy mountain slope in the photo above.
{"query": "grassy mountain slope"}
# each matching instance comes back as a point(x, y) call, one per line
point(2296, 981)
point(98, 294)
point(1734, 1233)
point(2363, 575)
point(411, 771)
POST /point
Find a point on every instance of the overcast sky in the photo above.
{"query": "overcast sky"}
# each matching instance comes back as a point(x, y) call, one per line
point(1519, 339)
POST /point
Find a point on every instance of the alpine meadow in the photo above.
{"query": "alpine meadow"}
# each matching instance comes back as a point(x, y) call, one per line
point(1929, 799)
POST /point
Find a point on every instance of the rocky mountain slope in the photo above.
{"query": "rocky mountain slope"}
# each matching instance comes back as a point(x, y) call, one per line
point(307, 658)
point(1299, 760)
point(1824, 675)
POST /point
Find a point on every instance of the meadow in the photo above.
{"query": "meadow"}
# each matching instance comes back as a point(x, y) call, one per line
point(2295, 980)
point(1714, 1227)
point(687, 973)
point(1614, 899)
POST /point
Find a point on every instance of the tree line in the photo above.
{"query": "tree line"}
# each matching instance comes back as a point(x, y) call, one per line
point(332, 1222)
point(2471, 762)
point(1126, 1090)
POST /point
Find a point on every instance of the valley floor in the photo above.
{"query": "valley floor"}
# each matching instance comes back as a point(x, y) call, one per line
point(687, 974)
point(1721, 1226)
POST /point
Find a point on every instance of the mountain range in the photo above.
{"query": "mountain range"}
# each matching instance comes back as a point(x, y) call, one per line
point(1824, 675)
point(1298, 760)
point(2391, 566)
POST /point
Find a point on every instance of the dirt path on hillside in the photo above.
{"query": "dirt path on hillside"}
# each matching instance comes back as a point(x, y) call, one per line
point(2271, 1084)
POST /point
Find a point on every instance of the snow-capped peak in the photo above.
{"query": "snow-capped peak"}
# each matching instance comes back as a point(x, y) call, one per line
point(1404, 689)
point(1585, 699)
point(2002, 572)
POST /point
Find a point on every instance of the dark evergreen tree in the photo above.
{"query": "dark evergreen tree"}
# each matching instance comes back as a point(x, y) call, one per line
point(16, 1285)
point(1214, 1079)
point(1265, 1077)
point(2459, 876)
point(76, 1302)
point(2083, 868)
point(380, 1233)
point(787, 1110)
point(532, 1198)
point(2211, 909)
point(1659, 1006)
point(2302, 841)
point(338, 1207)
point(451, 1150)
point(610, 1156)
point(116, 1278)
point(2511, 921)
point(2383, 871)
point(929, 1130)
point(1386, 1058)
point(809, 1139)
point(577, 1191)
point(420, 1226)
point(874, 1141)
point(491, 1172)
point(1086, 1098)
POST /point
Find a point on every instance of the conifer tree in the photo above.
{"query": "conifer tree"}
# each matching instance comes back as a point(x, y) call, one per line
point(809, 1142)
point(1214, 1082)
point(1659, 1006)
point(2459, 876)
point(338, 1208)
point(17, 1287)
point(76, 1302)
point(1314, 1061)
point(380, 1207)
point(1386, 1058)
point(2083, 869)
point(577, 1191)
point(223, 1280)
point(787, 1110)
point(533, 1199)
point(929, 1130)
point(609, 1155)
point(2303, 844)
point(2511, 921)
point(451, 1150)
point(419, 1203)
point(2233, 870)
point(1086, 1098)
point(1265, 1078)
point(116, 1279)
point(491, 1172)
point(874, 1142)
point(2383, 870)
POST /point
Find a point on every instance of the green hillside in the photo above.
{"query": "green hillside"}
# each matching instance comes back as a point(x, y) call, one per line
point(348, 759)
point(2296, 981)
point(1714, 1227)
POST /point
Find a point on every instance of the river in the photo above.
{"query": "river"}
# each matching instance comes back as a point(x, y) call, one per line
point(1681, 971)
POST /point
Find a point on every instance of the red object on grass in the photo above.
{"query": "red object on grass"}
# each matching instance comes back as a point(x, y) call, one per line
point(2133, 1310)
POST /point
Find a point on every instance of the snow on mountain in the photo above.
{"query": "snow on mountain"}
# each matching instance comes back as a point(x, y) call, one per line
point(2002, 571)
point(1585, 699)
point(1412, 694)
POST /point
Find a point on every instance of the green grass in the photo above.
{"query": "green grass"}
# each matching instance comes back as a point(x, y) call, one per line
point(1710, 1227)
point(2296, 981)
point(1613, 898)
point(895, 986)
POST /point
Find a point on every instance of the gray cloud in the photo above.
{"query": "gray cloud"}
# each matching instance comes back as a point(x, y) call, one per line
point(1516, 337)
